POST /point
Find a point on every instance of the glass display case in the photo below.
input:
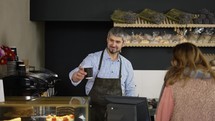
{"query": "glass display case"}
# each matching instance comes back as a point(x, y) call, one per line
point(28, 108)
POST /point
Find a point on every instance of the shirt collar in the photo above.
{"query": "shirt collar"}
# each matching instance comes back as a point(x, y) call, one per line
point(107, 56)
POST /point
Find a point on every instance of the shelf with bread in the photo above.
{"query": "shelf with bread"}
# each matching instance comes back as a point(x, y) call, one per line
point(178, 28)
point(163, 39)
point(188, 27)
point(140, 23)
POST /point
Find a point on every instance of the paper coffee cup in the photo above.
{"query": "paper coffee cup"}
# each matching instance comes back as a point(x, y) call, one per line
point(89, 71)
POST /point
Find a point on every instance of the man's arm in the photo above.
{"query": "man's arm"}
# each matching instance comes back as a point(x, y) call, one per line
point(77, 75)
point(130, 83)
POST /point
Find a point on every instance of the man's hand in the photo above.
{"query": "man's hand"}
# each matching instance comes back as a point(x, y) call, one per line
point(79, 75)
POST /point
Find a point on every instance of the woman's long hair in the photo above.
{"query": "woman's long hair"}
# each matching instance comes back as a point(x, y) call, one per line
point(186, 55)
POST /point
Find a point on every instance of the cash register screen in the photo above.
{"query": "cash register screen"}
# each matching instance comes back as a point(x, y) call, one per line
point(121, 108)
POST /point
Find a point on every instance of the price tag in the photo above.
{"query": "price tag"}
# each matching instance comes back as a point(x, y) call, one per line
point(2, 99)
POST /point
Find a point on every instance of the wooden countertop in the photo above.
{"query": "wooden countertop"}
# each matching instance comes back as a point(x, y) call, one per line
point(45, 101)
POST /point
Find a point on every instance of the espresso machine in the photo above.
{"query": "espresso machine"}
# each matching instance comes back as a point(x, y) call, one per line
point(36, 83)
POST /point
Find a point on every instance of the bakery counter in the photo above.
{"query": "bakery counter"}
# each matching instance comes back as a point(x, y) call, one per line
point(45, 108)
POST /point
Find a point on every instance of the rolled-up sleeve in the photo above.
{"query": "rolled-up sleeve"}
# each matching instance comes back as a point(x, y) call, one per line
point(166, 105)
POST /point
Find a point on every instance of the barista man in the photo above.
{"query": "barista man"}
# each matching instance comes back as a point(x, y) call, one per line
point(112, 74)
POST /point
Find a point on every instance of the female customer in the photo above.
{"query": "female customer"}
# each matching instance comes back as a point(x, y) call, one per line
point(189, 91)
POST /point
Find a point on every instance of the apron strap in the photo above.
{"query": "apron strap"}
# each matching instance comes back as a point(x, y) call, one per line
point(100, 63)
point(120, 74)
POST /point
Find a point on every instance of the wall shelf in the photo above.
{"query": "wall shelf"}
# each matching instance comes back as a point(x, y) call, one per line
point(164, 45)
point(140, 23)
point(167, 23)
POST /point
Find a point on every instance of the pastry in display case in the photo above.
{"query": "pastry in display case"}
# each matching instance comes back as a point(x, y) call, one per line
point(60, 118)
point(44, 109)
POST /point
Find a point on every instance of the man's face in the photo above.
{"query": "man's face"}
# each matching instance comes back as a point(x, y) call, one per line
point(114, 44)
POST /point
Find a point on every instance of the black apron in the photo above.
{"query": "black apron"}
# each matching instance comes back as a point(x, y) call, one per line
point(103, 87)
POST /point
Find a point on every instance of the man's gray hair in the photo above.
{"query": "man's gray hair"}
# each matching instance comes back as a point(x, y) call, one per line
point(117, 31)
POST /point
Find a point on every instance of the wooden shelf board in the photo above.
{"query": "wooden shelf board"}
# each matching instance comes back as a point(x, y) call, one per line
point(165, 24)
point(165, 45)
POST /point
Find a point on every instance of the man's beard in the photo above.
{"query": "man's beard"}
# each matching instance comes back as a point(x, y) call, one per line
point(114, 51)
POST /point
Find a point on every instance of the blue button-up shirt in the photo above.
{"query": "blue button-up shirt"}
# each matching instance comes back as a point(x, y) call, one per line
point(109, 69)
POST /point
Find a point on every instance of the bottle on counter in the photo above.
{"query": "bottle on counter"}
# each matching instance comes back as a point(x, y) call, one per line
point(11, 68)
point(21, 70)
point(13, 49)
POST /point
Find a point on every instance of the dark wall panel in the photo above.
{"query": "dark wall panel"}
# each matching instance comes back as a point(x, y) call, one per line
point(100, 10)
point(68, 43)
point(153, 58)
